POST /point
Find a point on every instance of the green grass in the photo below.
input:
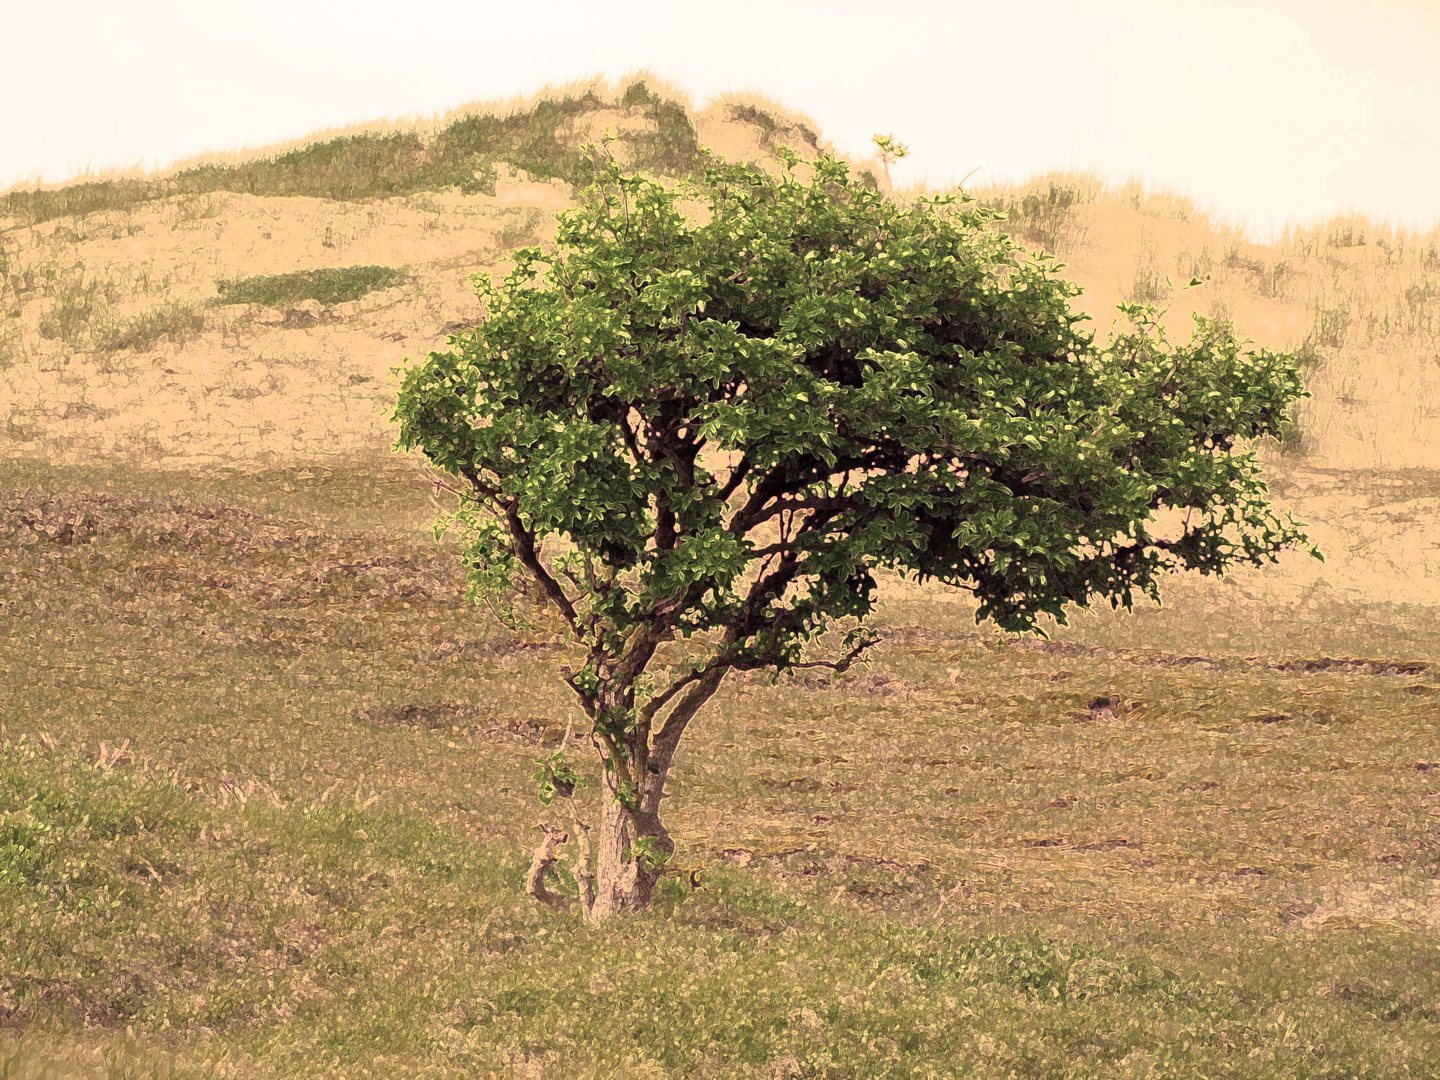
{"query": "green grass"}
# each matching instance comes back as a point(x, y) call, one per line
point(265, 810)
point(329, 286)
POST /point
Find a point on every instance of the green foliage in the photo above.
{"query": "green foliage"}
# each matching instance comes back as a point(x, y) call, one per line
point(556, 778)
point(644, 850)
point(996, 443)
point(731, 425)
point(889, 148)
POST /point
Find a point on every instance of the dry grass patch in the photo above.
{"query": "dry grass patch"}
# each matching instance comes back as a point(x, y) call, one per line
point(268, 805)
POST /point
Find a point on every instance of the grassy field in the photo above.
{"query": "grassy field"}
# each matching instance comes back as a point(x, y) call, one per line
point(265, 810)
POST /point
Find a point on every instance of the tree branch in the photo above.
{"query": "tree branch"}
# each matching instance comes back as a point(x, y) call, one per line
point(668, 737)
point(644, 639)
point(584, 875)
point(832, 503)
point(472, 474)
point(843, 664)
point(525, 548)
point(655, 704)
point(631, 443)
point(607, 746)
point(737, 476)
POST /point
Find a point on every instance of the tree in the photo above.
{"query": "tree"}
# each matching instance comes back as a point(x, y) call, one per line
point(720, 430)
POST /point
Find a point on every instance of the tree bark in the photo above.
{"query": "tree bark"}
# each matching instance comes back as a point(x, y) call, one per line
point(621, 885)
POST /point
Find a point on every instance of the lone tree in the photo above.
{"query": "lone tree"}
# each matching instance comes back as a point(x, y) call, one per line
point(720, 431)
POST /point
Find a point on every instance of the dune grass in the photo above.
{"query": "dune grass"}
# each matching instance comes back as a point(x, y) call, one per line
point(368, 165)
point(265, 810)
point(328, 286)
point(174, 320)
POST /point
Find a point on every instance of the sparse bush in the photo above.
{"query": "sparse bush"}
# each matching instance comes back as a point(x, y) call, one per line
point(1148, 286)
point(77, 303)
point(1331, 324)
point(1349, 236)
point(1044, 219)
point(1270, 283)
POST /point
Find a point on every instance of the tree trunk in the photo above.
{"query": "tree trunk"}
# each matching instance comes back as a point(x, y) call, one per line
point(616, 885)
point(621, 885)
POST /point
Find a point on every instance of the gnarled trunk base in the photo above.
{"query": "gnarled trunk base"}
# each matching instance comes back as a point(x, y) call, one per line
point(615, 884)
point(621, 885)
point(618, 883)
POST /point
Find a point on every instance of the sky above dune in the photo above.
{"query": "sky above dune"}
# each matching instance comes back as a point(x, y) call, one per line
point(1262, 111)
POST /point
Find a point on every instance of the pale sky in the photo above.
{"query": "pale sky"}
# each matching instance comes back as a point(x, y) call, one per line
point(1262, 111)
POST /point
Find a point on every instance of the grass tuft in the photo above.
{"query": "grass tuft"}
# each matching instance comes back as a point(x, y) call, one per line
point(329, 286)
point(175, 321)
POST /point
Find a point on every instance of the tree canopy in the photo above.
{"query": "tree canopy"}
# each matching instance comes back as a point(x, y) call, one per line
point(721, 430)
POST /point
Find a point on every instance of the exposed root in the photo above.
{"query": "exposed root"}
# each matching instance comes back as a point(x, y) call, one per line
point(545, 858)
point(584, 876)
